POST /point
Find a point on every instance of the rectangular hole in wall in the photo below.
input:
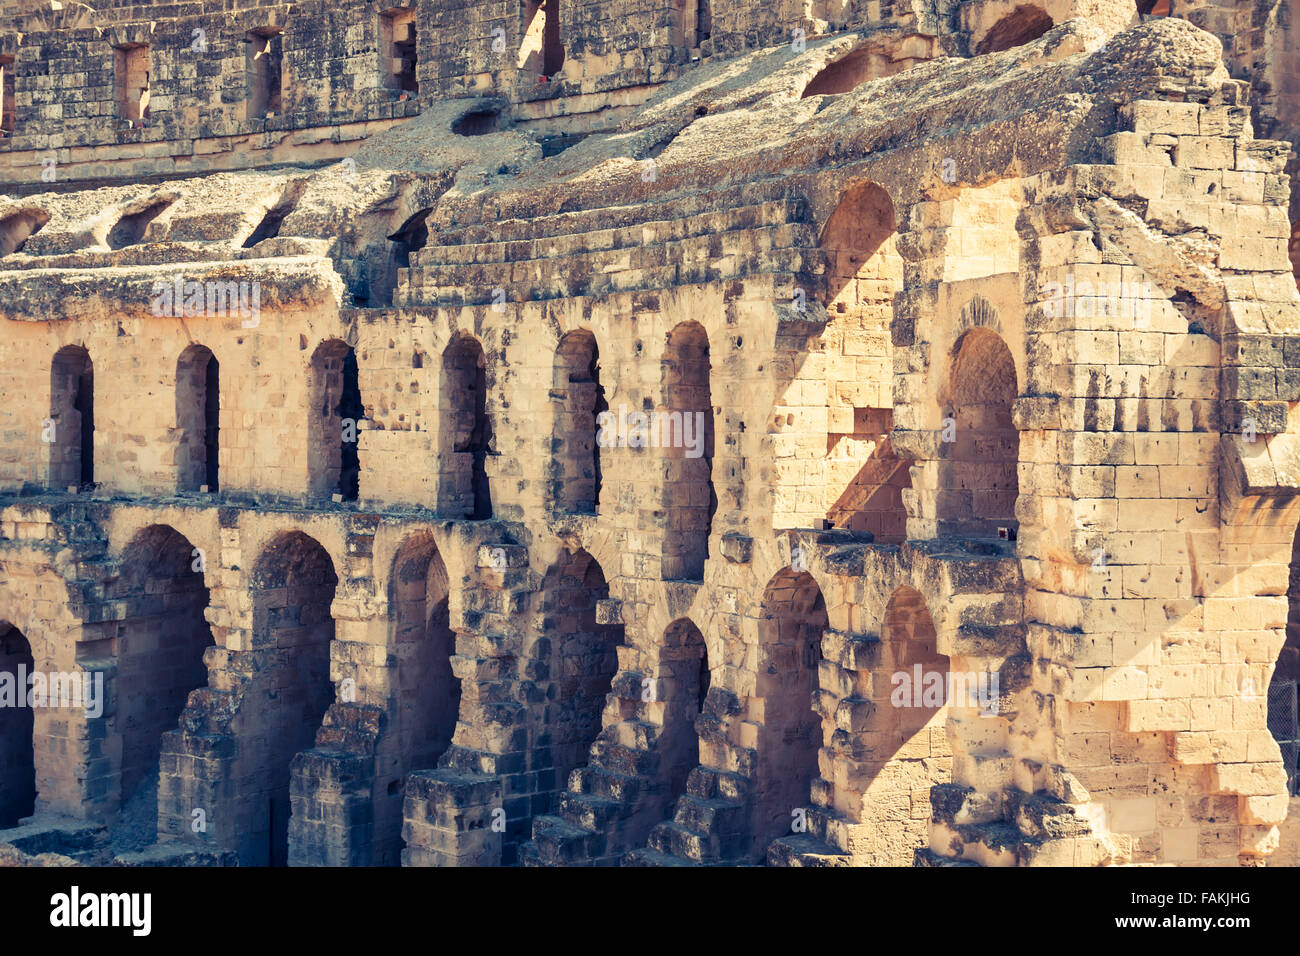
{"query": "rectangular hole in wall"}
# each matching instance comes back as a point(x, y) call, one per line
point(263, 70)
point(131, 80)
point(541, 51)
point(397, 49)
point(6, 96)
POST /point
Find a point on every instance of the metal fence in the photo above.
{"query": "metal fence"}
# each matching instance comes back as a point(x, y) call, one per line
point(1284, 725)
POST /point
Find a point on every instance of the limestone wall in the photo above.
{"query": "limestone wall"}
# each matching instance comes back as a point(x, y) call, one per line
point(964, 533)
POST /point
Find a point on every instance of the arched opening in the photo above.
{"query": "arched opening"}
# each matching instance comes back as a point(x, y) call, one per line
point(909, 641)
point(541, 51)
point(465, 432)
point(790, 650)
point(133, 227)
point(1153, 8)
point(684, 679)
point(1022, 25)
point(293, 586)
point(978, 484)
point(71, 428)
point(478, 122)
point(871, 61)
point(864, 478)
point(274, 217)
point(886, 739)
point(335, 413)
point(159, 650)
point(17, 724)
point(16, 229)
point(578, 400)
point(1283, 708)
point(582, 662)
point(197, 412)
point(427, 699)
point(683, 431)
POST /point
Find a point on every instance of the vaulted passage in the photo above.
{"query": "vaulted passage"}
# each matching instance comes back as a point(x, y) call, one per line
point(684, 679)
point(978, 483)
point(465, 434)
point(913, 697)
point(17, 753)
point(684, 434)
point(870, 61)
point(16, 229)
point(293, 588)
point(159, 645)
point(864, 478)
point(577, 400)
point(790, 634)
point(70, 431)
point(334, 465)
point(132, 228)
point(426, 701)
point(197, 412)
point(1022, 25)
point(581, 661)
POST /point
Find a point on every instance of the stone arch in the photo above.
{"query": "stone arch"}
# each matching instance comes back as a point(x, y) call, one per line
point(684, 680)
point(425, 700)
point(684, 436)
point(790, 628)
point(869, 61)
point(17, 228)
point(1154, 8)
point(72, 418)
point(159, 645)
point(198, 405)
point(580, 656)
point(863, 221)
point(17, 729)
point(465, 432)
point(978, 313)
point(292, 588)
point(978, 482)
point(1022, 25)
point(864, 478)
point(334, 415)
point(909, 641)
point(577, 401)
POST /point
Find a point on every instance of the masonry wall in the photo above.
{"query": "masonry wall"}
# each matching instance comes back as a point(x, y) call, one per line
point(1066, 468)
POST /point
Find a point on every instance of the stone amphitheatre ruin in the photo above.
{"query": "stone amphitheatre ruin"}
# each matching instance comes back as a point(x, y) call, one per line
point(650, 432)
